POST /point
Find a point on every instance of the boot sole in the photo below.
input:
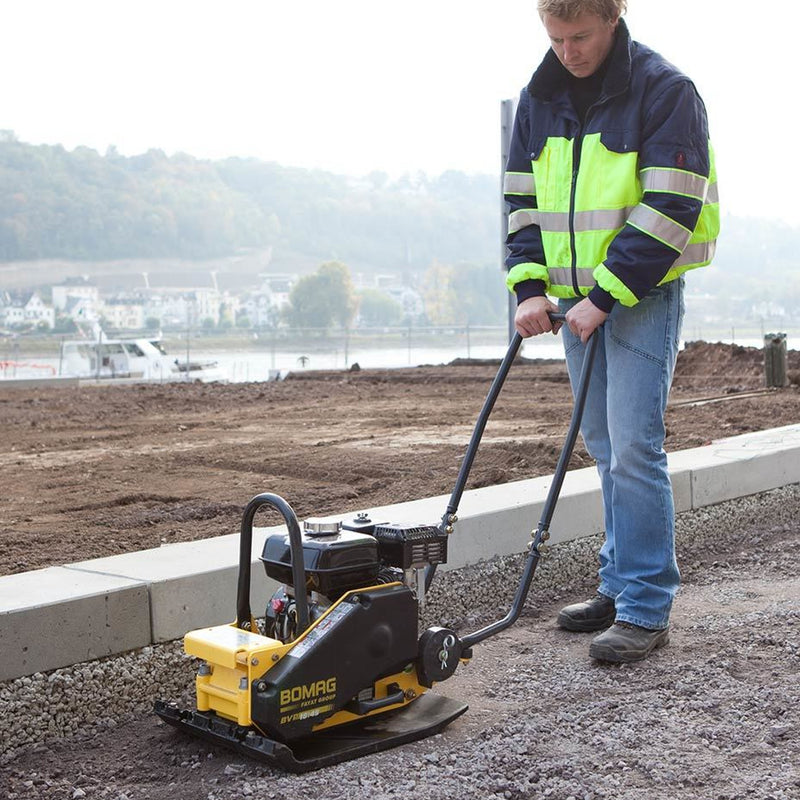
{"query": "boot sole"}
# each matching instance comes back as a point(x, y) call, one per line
point(603, 652)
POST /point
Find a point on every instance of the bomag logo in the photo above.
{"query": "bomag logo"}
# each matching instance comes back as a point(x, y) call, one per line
point(308, 691)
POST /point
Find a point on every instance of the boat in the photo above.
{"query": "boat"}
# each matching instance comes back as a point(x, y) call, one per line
point(133, 359)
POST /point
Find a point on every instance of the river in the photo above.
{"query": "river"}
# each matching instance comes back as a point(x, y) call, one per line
point(253, 364)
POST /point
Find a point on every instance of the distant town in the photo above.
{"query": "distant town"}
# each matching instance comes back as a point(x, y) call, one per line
point(77, 305)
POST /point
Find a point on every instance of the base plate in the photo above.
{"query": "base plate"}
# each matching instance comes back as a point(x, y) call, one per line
point(426, 716)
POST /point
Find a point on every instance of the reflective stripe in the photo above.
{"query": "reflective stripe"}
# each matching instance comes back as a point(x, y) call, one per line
point(519, 183)
point(698, 253)
point(563, 276)
point(660, 227)
point(554, 222)
point(643, 217)
point(694, 255)
point(558, 221)
point(657, 179)
point(520, 219)
point(608, 220)
point(713, 193)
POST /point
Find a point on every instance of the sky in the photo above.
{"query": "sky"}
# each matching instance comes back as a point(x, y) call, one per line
point(356, 86)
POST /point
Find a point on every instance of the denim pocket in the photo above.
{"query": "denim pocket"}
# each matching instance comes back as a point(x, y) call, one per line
point(571, 342)
point(651, 328)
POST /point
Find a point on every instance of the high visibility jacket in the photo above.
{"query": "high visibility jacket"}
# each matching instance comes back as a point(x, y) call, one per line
point(621, 203)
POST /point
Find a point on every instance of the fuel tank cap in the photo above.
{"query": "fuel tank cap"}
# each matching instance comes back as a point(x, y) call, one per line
point(315, 526)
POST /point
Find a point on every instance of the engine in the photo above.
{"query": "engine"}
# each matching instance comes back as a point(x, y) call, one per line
point(340, 557)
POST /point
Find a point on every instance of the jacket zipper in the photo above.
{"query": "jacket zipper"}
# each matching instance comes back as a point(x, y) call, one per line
point(576, 162)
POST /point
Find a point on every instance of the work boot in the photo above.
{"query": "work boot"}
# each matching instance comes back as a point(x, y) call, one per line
point(591, 615)
point(624, 642)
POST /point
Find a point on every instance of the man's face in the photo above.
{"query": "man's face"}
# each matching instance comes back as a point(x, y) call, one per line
point(582, 44)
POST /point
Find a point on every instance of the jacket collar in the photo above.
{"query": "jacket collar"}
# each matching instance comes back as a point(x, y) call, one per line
point(551, 77)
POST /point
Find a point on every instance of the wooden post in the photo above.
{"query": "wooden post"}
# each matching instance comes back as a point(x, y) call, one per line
point(775, 359)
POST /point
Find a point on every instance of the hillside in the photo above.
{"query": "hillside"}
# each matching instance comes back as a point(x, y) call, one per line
point(83, 206)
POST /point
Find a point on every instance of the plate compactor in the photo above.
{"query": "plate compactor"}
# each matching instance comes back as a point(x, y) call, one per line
point(339, 670)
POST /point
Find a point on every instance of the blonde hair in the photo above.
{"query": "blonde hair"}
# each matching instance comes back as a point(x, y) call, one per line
point(568, 10)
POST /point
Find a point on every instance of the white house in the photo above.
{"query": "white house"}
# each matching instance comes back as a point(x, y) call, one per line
point(178, 308)
point(124, 313)
point(26, 308)
point(263, 307)
point(74, 288)
point(81, 310)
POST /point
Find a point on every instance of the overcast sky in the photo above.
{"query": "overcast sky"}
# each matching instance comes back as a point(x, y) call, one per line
point(354, 86)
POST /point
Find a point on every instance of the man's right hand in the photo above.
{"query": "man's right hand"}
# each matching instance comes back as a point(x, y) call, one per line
point(531, 318)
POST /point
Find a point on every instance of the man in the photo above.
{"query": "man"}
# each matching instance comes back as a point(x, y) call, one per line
point(612, 197)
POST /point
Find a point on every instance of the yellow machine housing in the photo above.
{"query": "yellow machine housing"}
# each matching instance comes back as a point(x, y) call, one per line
point(314, 682)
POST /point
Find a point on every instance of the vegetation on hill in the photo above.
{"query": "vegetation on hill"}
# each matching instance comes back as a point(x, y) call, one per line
point(82, 205)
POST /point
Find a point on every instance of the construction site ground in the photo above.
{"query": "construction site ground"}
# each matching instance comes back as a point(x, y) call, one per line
point(99, 470)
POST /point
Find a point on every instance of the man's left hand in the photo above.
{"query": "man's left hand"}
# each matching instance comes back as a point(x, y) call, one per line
point(584, 318)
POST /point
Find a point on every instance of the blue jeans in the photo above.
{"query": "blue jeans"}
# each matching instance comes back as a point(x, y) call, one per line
point(623, 429)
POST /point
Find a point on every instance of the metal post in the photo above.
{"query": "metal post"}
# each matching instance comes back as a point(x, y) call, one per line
point(188, 336)
point(99, 356)
point(775, 359)
point(507, 111)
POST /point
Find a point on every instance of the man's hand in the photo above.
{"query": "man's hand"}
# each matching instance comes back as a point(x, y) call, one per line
point(584, 318)
point(531, 318)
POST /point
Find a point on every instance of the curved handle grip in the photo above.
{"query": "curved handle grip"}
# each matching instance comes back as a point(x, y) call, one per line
point(243, 614)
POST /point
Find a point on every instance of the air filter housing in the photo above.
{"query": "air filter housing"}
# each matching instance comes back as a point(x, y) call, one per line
point(407, 546)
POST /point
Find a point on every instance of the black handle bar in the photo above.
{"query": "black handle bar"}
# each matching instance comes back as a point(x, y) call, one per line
point(480, 425)
point(542, 532)
point(243, 615)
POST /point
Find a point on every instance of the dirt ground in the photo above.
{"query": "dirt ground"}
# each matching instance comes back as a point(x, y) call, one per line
point(100, 470)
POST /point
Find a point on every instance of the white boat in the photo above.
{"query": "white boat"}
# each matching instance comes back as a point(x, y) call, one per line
point(131, 359)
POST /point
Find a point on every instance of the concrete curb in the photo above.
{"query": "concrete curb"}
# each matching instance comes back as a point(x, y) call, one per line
point(60, 616)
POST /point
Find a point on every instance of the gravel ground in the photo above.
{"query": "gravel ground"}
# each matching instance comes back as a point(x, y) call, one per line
point(714, 716)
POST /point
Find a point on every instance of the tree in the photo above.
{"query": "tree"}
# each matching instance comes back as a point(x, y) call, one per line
point(324, 298)
point(462, 294)
point(441, 302)
point(482, 294)
point(376, 308)
point(65, 324)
